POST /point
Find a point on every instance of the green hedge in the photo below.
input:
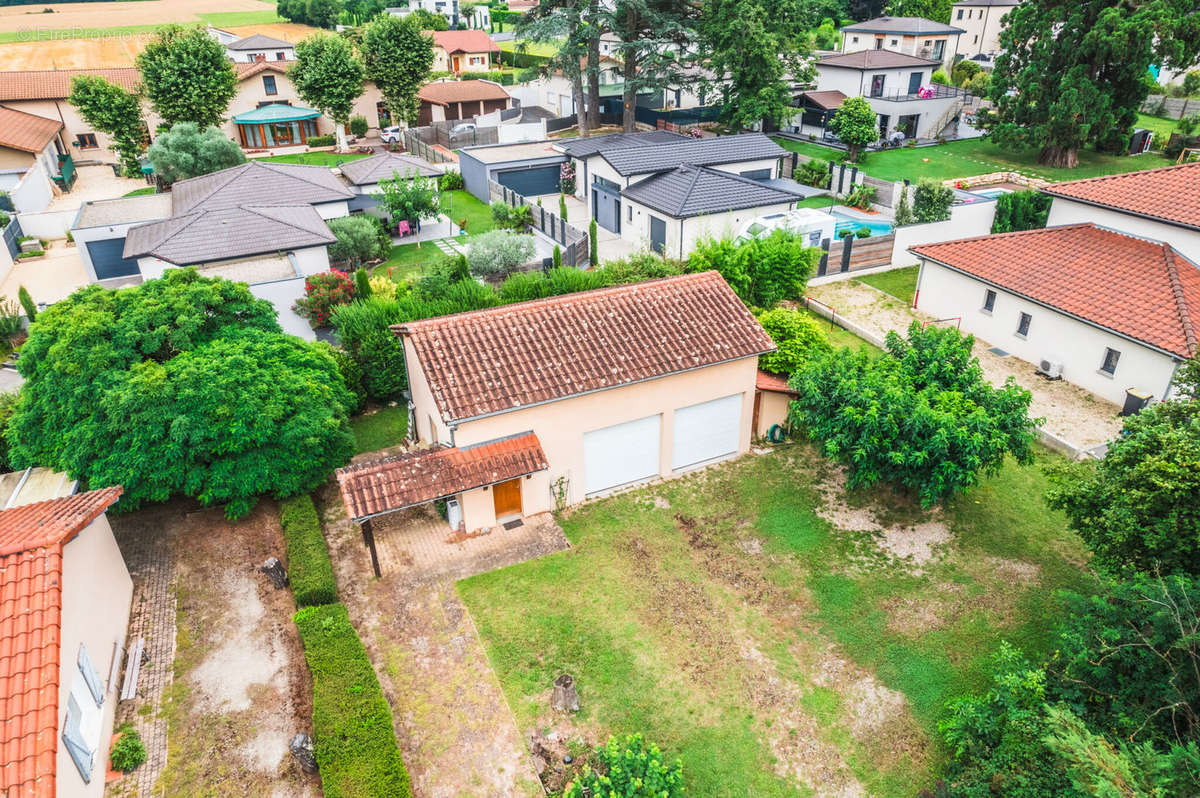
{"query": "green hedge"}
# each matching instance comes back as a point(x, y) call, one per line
point(309, 567)
point(352, 722)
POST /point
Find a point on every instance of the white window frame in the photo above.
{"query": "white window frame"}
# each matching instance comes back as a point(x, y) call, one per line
point(1020, 319)
point(1116, 359)
point(989, 294)
point(81, 727)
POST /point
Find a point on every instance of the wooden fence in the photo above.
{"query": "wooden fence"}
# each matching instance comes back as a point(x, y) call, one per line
point(573, 240)
point(418, 147)
point(852, 254)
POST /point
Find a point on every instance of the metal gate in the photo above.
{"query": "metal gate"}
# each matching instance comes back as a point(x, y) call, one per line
point(107, 261)
point(11, 233)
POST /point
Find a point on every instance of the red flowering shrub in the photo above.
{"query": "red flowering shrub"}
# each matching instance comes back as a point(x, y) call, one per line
point(322, 293)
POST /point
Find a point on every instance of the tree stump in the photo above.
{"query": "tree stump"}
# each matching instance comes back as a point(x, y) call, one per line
point(301, 747)
point(565, 697)
point(273, 568)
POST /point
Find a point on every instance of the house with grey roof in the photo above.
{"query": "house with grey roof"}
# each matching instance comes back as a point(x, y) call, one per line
point(363, 175)
point(674, 210)
point(915, 36)
point(260, 223)
point(259, 47)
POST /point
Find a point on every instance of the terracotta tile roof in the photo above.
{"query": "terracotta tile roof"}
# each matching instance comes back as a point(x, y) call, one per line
point(463, 41)
point(249, 70)
point(1170, 194)
point(1141, 289)
point(444, 92)
point(828, 99)
point(498, 359)
point(418, 477)
point(875, 59)
point(765, 381)
point(27, 132)
point(32, 537)
point(55, 84)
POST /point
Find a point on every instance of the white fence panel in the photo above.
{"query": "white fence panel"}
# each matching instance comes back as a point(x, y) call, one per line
point(48, 224)
point(34, 192)
point(966, 221)
point(524, 131)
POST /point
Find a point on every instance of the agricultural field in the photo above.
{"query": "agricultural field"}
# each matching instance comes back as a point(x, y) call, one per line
point(101, 35)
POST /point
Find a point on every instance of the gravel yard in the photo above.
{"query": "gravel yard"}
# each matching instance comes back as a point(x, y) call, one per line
point(1070, 412)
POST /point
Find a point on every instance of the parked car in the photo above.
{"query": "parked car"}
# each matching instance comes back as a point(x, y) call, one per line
point(465, 127)
point(390, 135)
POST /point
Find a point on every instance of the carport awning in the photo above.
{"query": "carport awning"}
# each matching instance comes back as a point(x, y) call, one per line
point(412, 478)
point(362, 202)
point(275, 112)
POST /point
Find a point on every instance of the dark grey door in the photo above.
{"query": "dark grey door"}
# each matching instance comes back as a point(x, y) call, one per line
point(531, 182)
point(107, 260)
point(914, 82)
point(658, 235)
point(606, 208)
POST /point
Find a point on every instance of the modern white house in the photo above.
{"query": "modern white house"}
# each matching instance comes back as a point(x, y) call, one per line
point(914, 36)
point(259, 47)
point(1106, 310)
point(259, 223)
point(981, 22)
point(898, 86)
point(65, 595)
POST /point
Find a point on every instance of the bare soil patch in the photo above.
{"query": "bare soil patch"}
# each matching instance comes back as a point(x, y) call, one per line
point(241, 686)
point(1070, 412)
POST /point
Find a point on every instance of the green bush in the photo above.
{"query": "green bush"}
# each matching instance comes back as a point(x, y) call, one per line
point(940, 77)
point(593, 245)
point(931, 201)
point(762, 271)
point(963, 71)
point(450, 181)
point(863, 232)
point(1021, 210)
point(309, 568)
point(322, 141)
point(813, 173)
point(638, 267)
point(352, 722)
point(359, 126)
point(524, 286)
point(629, 768)
point(27, 303)
point(556, 259)
point(129, 752)
point(798, 337)
point(862, 197)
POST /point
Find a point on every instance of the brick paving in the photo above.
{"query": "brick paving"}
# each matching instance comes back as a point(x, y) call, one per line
point(147, 553)
point(456, 731)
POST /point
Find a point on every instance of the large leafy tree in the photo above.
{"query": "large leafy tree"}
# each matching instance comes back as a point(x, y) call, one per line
point(565, 23)
point(654, 37)
point(327, 75)
point(1074, 72)
point(187, 76)
point(1138, 509)
point(856, 124)
point(397, 57)
point(182, 385)
point(921, 417)
point(187, 150)
point(937, 10)
point(753, 51)
point(110, 108)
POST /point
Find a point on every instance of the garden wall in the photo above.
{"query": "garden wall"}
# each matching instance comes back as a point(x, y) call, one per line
point(1172, 107)
point(48, 224)
point(33, 193)
point(965, 221)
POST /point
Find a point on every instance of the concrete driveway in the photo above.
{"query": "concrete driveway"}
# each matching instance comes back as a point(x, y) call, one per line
point(50, 279)
point(96, 182)
point(609, 245)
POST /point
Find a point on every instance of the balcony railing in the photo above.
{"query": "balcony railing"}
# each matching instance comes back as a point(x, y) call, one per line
point(935, 92)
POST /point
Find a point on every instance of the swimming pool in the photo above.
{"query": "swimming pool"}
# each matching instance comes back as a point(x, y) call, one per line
point(845, 222)
point(992, 192)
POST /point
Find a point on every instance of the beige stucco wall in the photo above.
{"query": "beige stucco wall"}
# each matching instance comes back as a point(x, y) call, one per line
point(772, 410)
point(74, 124)
point(251, 92)
point(97, 592)
point(560, 426)
point(683, 234)
point(15, 159)
point(945, 293)
point(982, 25)
point(444, 62)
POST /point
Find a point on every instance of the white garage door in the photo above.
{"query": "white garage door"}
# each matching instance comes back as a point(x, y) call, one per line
point(620, 454)
point(707, 431)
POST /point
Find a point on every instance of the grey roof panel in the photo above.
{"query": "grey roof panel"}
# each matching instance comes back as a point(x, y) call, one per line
point(258, 182)
point(697, 152)
point(876, 59)
point(365, 171)
point(695, 191)
point(584, 148)
point(208, 235)
point(908, 25)
point(258, 41)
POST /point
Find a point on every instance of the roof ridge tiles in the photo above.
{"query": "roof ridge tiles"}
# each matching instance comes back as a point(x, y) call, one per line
point(1181, 304)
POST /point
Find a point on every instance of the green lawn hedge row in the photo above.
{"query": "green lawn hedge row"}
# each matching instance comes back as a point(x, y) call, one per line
point(352, 723)
point(309, 567)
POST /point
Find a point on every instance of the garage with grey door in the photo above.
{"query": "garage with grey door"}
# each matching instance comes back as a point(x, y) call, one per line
point(706, 432)
point(532, 181)
point(621, 454)
point(107, 260)
point(606, 205)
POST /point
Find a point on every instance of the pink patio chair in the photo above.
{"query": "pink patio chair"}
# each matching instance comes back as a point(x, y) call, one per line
point(402, 228)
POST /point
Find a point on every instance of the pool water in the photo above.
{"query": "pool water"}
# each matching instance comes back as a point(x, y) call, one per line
point(853, 224)
point(992, 192)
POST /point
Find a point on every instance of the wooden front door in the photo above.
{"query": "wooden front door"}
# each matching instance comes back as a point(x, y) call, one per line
point(507, 497)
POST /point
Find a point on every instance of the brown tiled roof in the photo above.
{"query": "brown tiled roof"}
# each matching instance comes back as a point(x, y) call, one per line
point(27, 132)
point(32, 537)
point(829, 99)
point(875, 59)
point(55, 84)
point(463, 41)
point(444, 92)
point(418, 477)
point(249, 70)
point(498, 359)
point(1170, 194)
point(765, 381)
point(204, 236)
point(1141, 289)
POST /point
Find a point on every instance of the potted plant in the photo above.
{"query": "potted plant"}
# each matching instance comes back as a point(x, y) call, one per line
point(128, 751)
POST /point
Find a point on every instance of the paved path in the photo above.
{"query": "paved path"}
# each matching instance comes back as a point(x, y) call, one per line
point(453, 723)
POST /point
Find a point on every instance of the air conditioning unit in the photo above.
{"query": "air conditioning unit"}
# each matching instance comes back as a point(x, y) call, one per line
point(1050, 368)
point(454, 514)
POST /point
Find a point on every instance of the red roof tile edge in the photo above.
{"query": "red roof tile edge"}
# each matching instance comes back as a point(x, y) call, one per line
point(1057, 190)
point(766, 381)
point(74, 513)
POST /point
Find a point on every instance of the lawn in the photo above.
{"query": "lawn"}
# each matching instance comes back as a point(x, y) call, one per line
point(412, 259)
point(900, 283)
point(773, 652)
point(323, 158)
point(529, 48)
point(839, 336)
point(138, 192)
point(1163, 128)
point(977, 157)
point(819, 201)
point(379, 429)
